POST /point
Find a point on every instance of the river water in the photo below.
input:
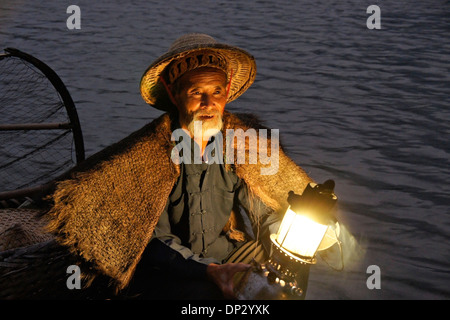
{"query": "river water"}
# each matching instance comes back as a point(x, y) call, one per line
point(368, 108)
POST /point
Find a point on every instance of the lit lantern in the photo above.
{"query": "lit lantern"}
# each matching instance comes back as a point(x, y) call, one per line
point(308, 225)
point(306, 222)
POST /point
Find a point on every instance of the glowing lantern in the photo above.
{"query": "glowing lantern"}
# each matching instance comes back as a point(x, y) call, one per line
point(304, 229)
point(308, 225)
point(306, 222)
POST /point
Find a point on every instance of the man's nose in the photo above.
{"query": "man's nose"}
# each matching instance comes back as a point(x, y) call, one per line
point(206, 101)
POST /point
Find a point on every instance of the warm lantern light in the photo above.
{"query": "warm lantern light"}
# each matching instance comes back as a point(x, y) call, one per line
point(306, 221)
point(307, 226)
point(300, 235)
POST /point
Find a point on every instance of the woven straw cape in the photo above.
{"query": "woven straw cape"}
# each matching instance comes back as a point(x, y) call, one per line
point(193, 51)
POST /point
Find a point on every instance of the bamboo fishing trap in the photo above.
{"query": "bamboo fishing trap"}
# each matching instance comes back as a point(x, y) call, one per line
point(40, 140)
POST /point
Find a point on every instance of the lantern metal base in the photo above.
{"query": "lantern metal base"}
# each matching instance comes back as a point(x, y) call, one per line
point(287, 257)
point(282, 277)
point(262, 282)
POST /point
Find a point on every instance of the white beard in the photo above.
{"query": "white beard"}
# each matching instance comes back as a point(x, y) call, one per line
point(205, 128)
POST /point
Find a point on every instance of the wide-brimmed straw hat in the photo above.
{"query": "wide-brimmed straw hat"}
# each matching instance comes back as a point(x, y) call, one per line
point(193, 51)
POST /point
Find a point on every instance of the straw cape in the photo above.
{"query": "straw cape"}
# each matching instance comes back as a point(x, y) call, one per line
point(107, 214)
point(193, 51)
point(105, 210)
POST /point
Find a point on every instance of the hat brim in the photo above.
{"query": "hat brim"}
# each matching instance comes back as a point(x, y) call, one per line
point(241, 63)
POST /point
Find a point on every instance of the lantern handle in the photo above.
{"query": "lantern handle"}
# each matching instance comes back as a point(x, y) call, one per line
point(327, 186)
point(317, 200)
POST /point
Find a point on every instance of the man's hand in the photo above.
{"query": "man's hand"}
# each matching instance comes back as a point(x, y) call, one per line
point(222, 275)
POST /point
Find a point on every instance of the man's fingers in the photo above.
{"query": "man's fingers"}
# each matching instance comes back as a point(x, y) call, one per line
point(238, 267)
point(223, 276)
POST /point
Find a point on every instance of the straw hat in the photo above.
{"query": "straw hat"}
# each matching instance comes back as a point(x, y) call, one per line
point(193, 51)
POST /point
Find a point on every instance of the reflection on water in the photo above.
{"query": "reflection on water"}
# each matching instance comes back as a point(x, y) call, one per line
point(368, 108)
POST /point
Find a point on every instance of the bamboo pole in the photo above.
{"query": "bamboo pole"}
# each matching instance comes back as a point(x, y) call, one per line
point(34, 126)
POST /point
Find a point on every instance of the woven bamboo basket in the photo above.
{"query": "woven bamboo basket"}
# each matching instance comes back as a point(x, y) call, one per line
point(32, 264)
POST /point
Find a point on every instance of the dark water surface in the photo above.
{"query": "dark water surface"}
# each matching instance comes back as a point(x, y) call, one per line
point(367, 108)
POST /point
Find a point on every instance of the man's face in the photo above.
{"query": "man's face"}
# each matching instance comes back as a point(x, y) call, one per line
point(201, 96)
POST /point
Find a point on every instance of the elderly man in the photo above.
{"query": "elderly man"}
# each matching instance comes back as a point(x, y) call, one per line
point(165, 226)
